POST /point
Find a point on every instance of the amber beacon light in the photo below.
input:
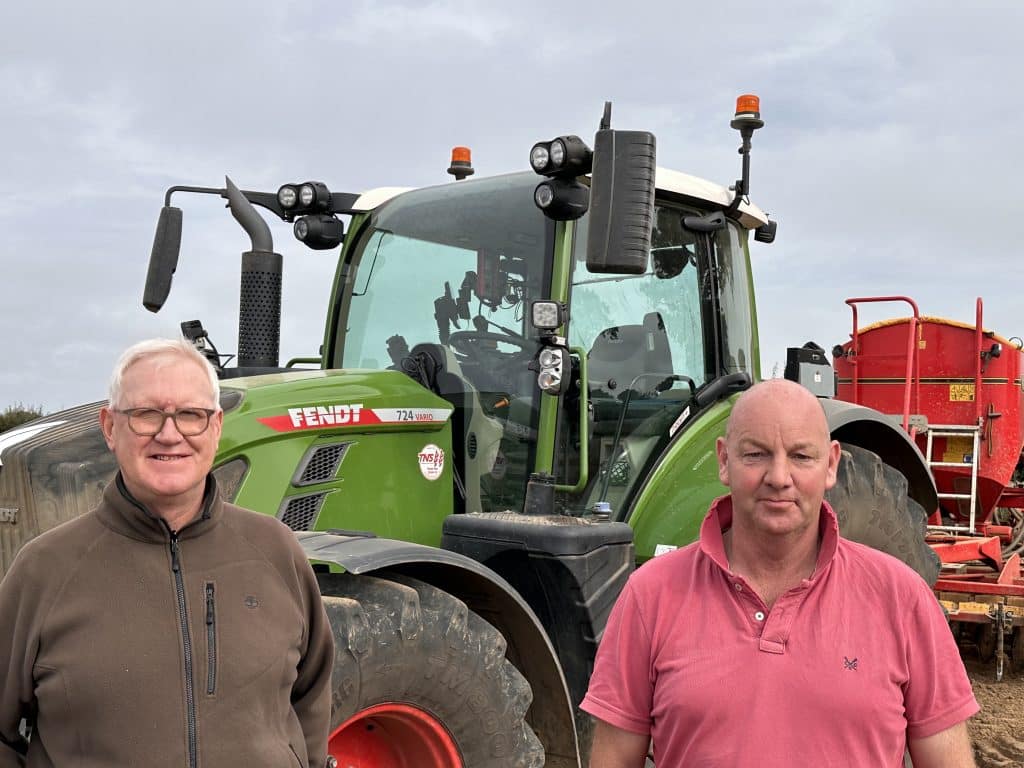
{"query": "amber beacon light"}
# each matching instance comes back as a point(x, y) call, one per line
point(748, 112)
point(462, 165)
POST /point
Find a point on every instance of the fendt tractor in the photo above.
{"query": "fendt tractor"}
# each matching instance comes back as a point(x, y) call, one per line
point(516, 402)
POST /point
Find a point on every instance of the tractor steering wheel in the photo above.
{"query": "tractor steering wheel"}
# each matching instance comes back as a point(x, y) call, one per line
point(470, 343)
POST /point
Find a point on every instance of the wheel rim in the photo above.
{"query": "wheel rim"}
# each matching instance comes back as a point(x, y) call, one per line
point(393, 735)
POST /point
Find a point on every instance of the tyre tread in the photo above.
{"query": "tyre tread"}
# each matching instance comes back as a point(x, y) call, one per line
point(873, 507)
point(401, 639)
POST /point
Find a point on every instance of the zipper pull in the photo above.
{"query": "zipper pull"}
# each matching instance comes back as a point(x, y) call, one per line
point(175, 565)
point(209, 605)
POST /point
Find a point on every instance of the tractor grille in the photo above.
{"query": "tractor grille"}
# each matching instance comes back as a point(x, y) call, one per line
point(299, 512)
point(320, 464)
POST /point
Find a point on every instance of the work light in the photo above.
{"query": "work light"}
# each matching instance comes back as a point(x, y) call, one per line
point(319, 231)
point(540, 157)
point(287, 196)
point(546, 315)
point(562, 199)
point(552, 362)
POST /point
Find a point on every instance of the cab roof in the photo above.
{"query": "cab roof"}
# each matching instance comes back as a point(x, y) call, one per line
point(668, 181)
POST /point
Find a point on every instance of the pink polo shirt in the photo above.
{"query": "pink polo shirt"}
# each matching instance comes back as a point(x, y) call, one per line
point(838, 673)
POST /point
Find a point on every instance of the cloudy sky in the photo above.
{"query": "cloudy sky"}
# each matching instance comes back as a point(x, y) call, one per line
point(891, 155)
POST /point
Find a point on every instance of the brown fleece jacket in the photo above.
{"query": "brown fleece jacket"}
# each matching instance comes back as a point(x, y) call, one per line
point(128, 646)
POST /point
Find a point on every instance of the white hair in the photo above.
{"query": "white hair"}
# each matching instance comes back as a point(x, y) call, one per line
point(149, 348)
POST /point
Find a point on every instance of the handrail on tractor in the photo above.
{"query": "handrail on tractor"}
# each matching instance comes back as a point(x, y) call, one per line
point(912, 380)
point(977, 363)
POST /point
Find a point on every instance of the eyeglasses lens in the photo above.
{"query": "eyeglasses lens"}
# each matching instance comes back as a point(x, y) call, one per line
point(148, 421)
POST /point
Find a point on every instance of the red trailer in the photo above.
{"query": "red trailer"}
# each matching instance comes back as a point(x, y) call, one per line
point(957, 389)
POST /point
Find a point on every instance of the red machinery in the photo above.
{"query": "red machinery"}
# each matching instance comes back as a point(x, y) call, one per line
point(957, 389)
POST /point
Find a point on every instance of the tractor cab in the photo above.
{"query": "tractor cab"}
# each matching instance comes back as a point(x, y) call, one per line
point(441, 284)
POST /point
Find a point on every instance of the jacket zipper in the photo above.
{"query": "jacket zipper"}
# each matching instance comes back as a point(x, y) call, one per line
point(190, 699)
point(211, 642)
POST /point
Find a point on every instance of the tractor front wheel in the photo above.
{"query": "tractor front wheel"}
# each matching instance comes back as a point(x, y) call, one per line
point(871, 502)
point(421, 680)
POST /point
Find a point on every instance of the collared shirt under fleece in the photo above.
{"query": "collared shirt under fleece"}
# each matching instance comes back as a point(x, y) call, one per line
point(839, 672)
point(104, 617)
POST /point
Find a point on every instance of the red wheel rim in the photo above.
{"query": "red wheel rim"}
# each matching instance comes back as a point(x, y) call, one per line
point(393, 736)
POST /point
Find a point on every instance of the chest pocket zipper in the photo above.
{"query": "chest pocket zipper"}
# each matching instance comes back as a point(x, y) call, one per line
point(211, 641)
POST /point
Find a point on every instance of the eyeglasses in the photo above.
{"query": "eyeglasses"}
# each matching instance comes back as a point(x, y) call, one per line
point(147, 422)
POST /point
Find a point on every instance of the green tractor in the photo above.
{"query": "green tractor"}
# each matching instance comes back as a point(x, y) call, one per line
point(516, 402)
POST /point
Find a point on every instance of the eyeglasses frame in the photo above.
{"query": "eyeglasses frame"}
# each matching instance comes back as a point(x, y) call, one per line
point(165, 415)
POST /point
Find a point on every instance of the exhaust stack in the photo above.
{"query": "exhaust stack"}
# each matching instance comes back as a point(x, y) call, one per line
point(259, 305)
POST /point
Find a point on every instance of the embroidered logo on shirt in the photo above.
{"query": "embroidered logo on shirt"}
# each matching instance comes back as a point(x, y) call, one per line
point(850, 664)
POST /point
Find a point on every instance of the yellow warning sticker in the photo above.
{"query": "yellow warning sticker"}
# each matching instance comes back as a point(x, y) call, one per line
point(961, 393)
point(958, 449)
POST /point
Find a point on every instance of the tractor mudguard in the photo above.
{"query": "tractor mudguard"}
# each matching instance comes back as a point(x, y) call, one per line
point(488, 595)
point(867, 428)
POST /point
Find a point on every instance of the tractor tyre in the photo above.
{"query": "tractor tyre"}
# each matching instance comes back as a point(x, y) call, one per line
point(421, 680)
point(871, 502)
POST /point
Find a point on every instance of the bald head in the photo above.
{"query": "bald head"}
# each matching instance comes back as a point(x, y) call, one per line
point(779, 399)
point(778, 460)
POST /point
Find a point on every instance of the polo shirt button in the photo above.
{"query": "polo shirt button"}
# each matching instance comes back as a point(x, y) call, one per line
point(759, 616)
point(738, 586)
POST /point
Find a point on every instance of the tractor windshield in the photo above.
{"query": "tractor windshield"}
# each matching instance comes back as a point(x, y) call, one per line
point(439, 286)
point(652, 340)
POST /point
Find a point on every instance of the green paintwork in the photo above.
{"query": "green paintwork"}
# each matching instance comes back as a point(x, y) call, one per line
point(549, 404)
point(379, 486)
point(673, 502)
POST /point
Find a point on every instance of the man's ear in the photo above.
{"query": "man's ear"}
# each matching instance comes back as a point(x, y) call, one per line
point(835, 452)
point(217, 423)
point(107, 425)
point(723, 460)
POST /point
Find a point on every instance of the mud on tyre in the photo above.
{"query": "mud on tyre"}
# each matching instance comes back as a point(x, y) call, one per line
point(871, 502)
point(403, 642)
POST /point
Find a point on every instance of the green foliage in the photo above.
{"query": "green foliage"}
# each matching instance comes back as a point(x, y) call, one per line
point(14, 415)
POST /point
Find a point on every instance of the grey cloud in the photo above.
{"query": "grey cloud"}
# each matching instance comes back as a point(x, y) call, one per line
point(887, 156)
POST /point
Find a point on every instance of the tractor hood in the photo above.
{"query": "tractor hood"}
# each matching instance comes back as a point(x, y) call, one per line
point(324, 402)
point(317, 449)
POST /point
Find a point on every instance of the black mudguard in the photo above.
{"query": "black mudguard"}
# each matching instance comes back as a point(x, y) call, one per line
point(867, 428)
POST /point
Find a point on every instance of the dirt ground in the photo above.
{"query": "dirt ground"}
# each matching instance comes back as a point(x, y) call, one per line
point(998, 729)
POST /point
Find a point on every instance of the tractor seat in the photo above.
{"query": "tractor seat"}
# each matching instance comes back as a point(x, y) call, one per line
point(621, 353)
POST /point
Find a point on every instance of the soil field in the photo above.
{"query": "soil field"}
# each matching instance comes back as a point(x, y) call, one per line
point(997, 731)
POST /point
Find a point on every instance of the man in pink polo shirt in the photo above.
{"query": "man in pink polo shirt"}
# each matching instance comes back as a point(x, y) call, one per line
point(772, 641)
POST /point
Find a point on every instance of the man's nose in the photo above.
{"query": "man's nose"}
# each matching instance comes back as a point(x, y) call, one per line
point(778, 473)
point(169, 431)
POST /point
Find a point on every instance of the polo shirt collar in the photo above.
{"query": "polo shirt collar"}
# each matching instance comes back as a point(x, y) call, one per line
point(719, 520)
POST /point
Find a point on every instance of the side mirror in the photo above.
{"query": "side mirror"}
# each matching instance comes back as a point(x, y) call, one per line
point(621, 202)
point(163, 260)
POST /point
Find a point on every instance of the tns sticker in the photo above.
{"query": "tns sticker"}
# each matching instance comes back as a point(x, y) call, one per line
point(431, 459)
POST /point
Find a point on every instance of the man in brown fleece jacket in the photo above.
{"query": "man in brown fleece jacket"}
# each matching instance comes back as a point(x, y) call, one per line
point(165, 627)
